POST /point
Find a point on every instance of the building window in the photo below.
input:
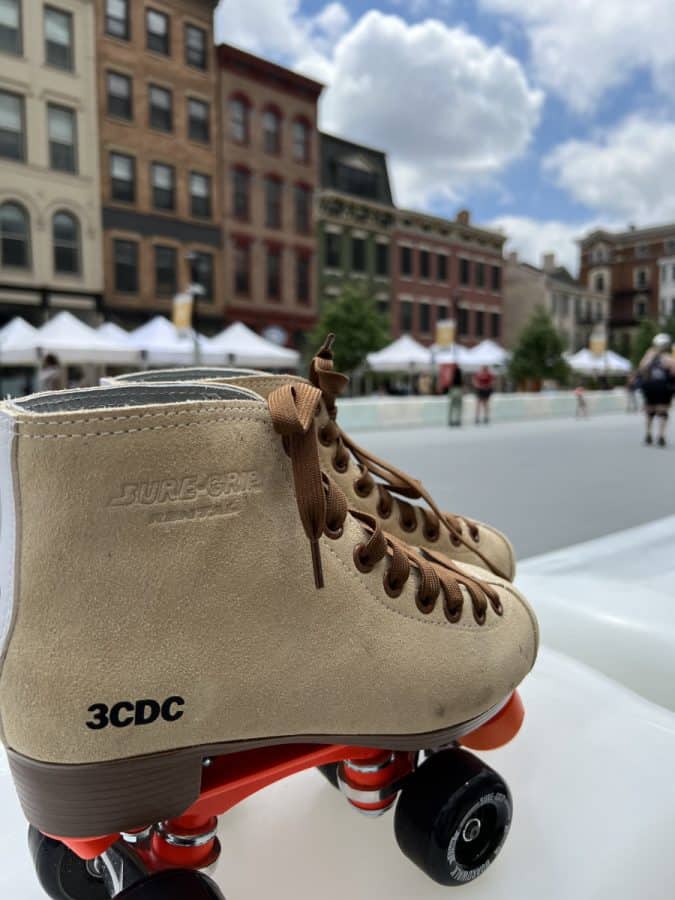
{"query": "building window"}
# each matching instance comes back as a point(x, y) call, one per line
point(599, 283)
point(405, 312)
point(117, 19)
point(241, 185)
point(480, 323)
point(120, 98)
point(126, 266)
point(14, 236)
point(157, 32)
point(496, 278)
point(641, 307)
point(200, 195)
point(274, 273)
point(599, 254)
point(441, 267)
point(302, 267)
point(441, 313)
point(161, 108)
point(641, 251)
point(66, 241)
point(333, 245)
point(239, 120)
point(383, 308)
point(163, 190)
point(670, 246)
point(271, 121)
point(242, 268)
point(425, 264)
point(480, 275)
point(301, 141)
point(122, 178)
point(303, 208)
point(495, 325)
point(462, 322)
point(641, 277)
point(382, 259)
point(406, 261)
point(356, 180)
point(58, 38)
point(425, 318)
point(199, 121)
point(464, 271)
point(165, 271)
point(202, 274)
point(12, 127)
point(62, 138)
point(358, 254)
point(195, 47)
point(10, 27)
point(273, 192)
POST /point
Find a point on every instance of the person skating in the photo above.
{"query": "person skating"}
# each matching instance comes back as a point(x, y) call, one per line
point(657, 373)
point(483, 382)
point(455, 392)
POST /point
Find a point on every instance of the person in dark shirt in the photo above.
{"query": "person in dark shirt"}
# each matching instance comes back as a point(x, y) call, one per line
point(483, 382)
point(456, 395)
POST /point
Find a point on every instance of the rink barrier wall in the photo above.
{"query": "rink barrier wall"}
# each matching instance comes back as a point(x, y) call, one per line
point(419, 412)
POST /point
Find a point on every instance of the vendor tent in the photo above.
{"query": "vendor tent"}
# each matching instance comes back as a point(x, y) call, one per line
point(487, 353)
point(114, 332)
point(403, 355)
point(455, 354)
point(66, 337)
point(239, 345)
point(17, 343)
point(607, 363)
point(164, 345)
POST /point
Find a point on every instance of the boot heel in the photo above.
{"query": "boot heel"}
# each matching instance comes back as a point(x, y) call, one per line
point(81, 801)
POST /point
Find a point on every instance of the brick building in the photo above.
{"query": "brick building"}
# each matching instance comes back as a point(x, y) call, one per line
point(270, 174)
point(576, 310)
point(159, 148)
point(356, 220)
point(625, 266)
point(446, 269)
point(50, 204)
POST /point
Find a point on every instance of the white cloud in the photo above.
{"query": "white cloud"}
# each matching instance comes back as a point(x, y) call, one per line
point(532, 238)
point(626, 173)
point(582, 48)
point(450, 109)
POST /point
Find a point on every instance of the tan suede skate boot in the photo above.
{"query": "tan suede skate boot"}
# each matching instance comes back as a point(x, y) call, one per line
point(180, 581)
point(370, 484)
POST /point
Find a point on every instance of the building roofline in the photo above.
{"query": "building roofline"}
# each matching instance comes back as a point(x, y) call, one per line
point(440, 220)
point(354, 144)
point(228, 53)
point(628, 235)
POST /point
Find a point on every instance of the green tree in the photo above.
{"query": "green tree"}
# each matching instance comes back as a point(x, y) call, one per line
point(643, 339)
point(538, 353)
point(358, 325)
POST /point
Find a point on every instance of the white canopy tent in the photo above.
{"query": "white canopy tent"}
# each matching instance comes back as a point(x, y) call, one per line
point(68, 338)
point(487, 353)
point(403, 355)
point(607, 363)
point(456, 354)
point(114, 332)
point(164, 345)
point(239, 345)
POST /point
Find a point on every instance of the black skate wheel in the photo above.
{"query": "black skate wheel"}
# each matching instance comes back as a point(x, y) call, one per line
point(453, 816)
point(173, 884)
point(62, 875)
point(329, 772)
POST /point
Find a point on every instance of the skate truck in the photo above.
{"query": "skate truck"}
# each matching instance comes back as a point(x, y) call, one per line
point(451, 819)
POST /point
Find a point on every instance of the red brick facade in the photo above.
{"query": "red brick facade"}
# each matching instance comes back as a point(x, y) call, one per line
point(446, 269)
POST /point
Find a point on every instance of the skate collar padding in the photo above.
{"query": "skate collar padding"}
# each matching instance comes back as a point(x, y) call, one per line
point(128, 396)
point(193, 373)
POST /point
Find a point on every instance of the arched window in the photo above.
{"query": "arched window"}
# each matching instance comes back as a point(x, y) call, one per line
point(240, 114)
point(66, 241)
point(272, 131)
point(600, 283)
point(14, 236)
point(301, 141)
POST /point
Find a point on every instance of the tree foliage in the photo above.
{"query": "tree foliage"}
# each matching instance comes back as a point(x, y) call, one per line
point(643, 339)
point(538, 352)
point(358, 325)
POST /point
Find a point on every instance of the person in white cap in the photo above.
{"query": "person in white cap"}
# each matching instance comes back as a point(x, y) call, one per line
point(657, 374)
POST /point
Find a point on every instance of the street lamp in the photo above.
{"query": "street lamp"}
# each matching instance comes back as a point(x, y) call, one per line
point(195, 289)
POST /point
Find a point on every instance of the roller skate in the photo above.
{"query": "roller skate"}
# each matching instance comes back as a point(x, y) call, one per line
point(370, 484)
point(189, 612)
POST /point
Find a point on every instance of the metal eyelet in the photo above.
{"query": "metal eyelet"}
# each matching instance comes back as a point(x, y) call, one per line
point(408, 527)
point(340, 466)
point(393, 590)
point(454, 540)
point(425, 605)
point(362, 491)
point(362, 566)
point(431, 535)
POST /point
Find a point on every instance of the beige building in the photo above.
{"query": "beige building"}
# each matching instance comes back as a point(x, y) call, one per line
point(575, 309)
point(50, 211)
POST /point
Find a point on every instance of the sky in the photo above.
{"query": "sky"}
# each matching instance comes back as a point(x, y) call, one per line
point(545, 118)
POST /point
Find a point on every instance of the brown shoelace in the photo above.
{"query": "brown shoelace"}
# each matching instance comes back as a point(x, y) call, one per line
point(323, 510)
point(331, 384)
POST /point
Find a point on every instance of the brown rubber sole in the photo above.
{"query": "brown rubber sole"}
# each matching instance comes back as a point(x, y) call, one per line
point(95, 799)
